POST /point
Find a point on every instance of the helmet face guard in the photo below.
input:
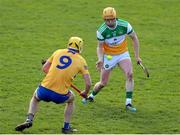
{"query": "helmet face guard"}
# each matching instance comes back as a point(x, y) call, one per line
point(109, 13)
point(76, 43)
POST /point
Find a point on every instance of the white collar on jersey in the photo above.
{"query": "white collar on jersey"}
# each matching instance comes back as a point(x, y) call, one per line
point(114, 27)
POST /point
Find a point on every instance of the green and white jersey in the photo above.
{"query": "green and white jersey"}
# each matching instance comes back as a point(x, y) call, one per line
point(114, 39)
point(116, 35)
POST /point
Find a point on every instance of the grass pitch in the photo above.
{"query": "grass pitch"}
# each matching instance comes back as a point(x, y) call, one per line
point(31, 30)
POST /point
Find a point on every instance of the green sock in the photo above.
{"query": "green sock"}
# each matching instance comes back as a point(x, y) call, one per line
point(129, 94)
point(94, 93)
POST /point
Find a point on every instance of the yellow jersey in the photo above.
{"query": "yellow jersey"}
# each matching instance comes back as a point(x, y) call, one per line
point(65, 65)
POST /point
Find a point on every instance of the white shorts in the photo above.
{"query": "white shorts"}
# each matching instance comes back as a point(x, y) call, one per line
point(111, 61)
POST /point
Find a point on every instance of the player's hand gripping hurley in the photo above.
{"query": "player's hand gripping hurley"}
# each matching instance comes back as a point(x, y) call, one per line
point(144, 68)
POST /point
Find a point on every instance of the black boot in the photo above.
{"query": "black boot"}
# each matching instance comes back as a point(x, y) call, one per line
point(27, 124)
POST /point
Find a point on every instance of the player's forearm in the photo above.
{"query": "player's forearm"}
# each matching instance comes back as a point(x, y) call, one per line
point(87, 88)
point(136, 48)
point(87, 80)
point(100, 53)
point(46, 67)
point(135, 45)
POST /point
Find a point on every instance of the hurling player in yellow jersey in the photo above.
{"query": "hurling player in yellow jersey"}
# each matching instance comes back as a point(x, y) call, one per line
point(112, 50)
point(60, 69)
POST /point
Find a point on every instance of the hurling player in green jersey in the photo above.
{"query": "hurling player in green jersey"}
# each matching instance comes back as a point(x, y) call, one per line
point(112, 50)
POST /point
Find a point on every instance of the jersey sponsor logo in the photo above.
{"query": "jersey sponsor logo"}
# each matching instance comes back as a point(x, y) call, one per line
point(108, 36)
point(115, 43)
point(114, 33)
point(120, 33)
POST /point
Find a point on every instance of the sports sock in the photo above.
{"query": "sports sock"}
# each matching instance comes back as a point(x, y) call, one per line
point(93, 93)
point(128, 101)
point(129, 97)
point(30, 117)
point(129, 94)
point(66, 125)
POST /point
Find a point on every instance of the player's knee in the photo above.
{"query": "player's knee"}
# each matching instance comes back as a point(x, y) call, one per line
point(130, 76)
point(71, 97)
point(35, 96)
point(103, 84)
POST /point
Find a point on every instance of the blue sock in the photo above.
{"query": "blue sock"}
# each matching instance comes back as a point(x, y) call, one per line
point(66, 125)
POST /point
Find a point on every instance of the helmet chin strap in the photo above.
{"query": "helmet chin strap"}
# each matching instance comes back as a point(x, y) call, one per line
point(73, 50)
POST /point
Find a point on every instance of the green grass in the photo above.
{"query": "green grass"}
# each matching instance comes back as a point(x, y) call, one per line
point(31, 30)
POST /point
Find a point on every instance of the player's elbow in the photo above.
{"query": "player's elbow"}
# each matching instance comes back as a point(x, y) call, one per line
point(45, 70)
point(135, 38)
point(46, 67)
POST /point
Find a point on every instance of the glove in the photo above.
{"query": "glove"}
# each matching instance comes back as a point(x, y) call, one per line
point(84, 94)
point(43, 61)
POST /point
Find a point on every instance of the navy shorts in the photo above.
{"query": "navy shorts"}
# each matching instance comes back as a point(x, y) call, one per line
point(49, 95)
